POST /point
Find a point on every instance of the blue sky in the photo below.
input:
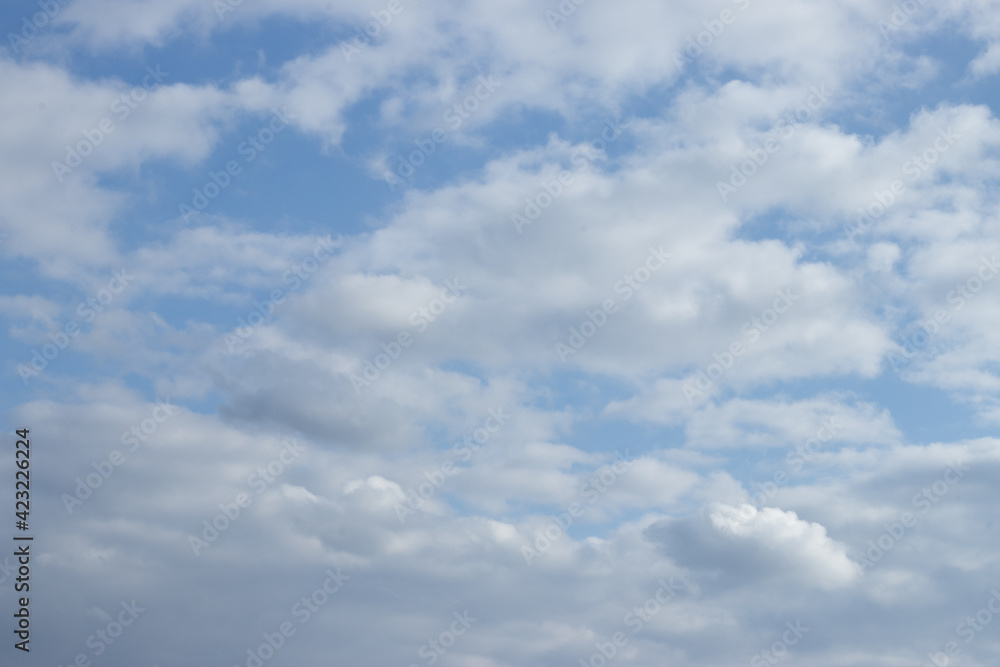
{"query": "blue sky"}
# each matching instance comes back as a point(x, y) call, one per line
point(402, 239)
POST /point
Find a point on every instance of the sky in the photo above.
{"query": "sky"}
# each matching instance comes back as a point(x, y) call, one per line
point(514, 334)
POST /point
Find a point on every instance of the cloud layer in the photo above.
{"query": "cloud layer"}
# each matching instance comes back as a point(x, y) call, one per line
point(486, 335)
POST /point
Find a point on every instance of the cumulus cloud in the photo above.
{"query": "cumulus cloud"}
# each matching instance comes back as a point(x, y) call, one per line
point(741, 545)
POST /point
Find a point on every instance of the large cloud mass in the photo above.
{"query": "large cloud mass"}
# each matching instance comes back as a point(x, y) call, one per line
point(504, 334)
